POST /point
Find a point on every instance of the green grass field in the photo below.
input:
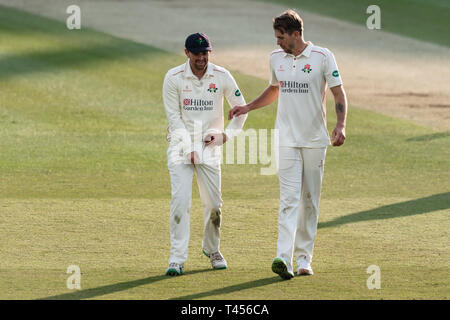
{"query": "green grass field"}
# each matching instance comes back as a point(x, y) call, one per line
point(426, 20)
point(84, 182)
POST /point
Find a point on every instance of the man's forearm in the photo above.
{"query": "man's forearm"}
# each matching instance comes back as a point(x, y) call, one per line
point(267, 97)
point(341, 112)
point(340, 100)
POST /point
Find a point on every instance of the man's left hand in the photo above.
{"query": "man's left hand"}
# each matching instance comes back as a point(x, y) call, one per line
point(215, 139)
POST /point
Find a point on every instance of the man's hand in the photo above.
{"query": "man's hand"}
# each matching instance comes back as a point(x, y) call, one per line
point(338, 136)
point(237, 111)
point(195, 159)
point(215, 139)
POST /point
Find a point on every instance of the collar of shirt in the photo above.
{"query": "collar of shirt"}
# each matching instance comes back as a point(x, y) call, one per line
point(189, 74)
point(306, 52)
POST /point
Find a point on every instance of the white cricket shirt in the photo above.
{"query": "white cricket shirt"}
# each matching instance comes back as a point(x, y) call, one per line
point(302, 81)
point(194, 107)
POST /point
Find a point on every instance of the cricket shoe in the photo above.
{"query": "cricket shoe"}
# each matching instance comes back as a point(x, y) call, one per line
point(217, 260)
point(175, 269)
point(304, 268)
point(279, 266)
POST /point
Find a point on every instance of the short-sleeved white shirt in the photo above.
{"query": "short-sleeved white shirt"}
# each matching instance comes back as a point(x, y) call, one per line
point(302, 81)
point(194, 107)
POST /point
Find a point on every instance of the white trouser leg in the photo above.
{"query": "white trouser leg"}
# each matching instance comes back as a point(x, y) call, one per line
point(313, 168)
point(290, 175)
point(208, 180)
point(180, 205)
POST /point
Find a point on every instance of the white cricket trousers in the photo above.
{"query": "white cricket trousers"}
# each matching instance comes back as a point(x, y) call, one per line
point(300, 171)
point(208, 180)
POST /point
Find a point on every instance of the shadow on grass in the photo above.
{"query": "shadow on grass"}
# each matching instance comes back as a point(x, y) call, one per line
point(402, 209)
point(121, 286)
point(19, 22)
point(429, 137)
point(230, 289)
point(76, 57)
point(78, 48)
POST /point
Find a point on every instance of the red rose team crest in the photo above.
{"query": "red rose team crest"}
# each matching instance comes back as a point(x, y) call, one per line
point(307, 68)
point(212, 87)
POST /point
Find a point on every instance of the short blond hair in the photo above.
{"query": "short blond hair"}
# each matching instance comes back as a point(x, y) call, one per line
point(289, 21)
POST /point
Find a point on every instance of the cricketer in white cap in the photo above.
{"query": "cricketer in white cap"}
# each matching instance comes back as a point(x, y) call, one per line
point(193, 100)
point(300, 73)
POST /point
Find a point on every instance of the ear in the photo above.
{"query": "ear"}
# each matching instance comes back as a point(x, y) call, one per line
point(186, 52)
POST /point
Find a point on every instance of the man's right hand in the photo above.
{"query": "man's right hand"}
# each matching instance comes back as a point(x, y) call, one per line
point(195, 159)
point(237, 111)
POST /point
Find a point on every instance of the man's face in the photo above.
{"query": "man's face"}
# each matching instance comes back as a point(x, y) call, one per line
point(199, 61)
point(286, 41)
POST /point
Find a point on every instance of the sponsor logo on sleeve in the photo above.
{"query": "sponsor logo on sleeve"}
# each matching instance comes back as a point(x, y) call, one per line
point(335, 73)
point(237, 93)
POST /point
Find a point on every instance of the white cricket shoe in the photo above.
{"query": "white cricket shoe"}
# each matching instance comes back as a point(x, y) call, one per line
point(175, 269)
point(217, 260)
point(304, 268)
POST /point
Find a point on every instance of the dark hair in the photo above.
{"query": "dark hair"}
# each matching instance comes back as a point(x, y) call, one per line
point(289, 21)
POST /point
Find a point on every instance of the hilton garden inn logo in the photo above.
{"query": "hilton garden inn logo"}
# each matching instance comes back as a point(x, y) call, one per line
point(294, 87)
point(198, 105)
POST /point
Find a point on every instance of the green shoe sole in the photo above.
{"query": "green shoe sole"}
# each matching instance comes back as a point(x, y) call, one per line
point(222, 268)
point(280, 268)
point(174, 272)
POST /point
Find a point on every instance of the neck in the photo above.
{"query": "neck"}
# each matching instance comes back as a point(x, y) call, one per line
point(300, 46)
